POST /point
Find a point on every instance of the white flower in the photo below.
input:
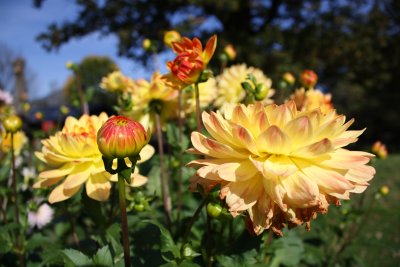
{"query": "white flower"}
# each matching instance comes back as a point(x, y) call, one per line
point(41, 217)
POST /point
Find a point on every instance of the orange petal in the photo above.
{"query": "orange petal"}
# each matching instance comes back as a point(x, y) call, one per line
point(209, 49)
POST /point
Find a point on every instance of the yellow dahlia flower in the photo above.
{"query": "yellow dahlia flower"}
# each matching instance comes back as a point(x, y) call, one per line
point(117, 82)
point(312, 99)
point(230, 90)
point(278, 164)
point(20, 140)
point(148, 95)
point(207, 91)
point(73, 159)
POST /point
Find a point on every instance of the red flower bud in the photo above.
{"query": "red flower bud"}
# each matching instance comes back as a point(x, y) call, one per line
point(120, 137)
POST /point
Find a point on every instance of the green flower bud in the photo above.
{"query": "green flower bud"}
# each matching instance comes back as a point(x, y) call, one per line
point(12, 123)
point(214, 209)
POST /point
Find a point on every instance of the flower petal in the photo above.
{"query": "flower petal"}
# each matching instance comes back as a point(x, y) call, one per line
point(98, 187)
point(274, 141)
point(60, 193)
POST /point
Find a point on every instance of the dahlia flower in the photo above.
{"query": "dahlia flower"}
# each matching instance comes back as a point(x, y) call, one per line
point(312, 99)
point(117, 82)
point(149, 96)
point(230, 90)
point(278, 164)
point(190, 61)
point(73, 159)
point(20, 140)
point(171, 37)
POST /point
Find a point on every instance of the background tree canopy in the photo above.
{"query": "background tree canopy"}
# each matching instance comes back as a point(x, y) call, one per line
point(352, 45)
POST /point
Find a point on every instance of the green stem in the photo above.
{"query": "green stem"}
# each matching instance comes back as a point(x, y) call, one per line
point(164, 186)
point(84, 103)
point(193, 219)
point(18, 237)
point(197, 95)
point(180, 133)
point(124, 220)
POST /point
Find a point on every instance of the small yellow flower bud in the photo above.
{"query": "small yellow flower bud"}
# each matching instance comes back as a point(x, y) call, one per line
point(170, 37)
point(120, 137)
point(289, 78)
point(146, 44)
point(230, 51)
point(12, 123)
point(64, 110)
point(384, 190)
point(39, 115)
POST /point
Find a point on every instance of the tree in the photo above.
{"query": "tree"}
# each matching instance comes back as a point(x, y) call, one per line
point(87, 75)
point(352, 45)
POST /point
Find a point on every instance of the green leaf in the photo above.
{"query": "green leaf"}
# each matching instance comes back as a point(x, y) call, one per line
point(288, 250)
point(93, 209)
point(76, 258)
point(103, 257)
point(37, 240)
point(248, 258)
point(167, 243)
point(6, 244)
point(113, 236)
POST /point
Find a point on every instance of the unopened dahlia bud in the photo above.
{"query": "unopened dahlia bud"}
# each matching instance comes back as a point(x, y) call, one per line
point(261, 91)
point(12, 123)
point(308, 78)
point(384, 190)
point(120, 137)
point(289, 78)
point(171, 36)
point(230, 51)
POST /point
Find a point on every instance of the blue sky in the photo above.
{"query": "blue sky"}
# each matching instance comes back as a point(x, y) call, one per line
point(21, 23)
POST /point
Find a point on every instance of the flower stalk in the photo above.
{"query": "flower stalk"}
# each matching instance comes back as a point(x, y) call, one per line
point(198, 117)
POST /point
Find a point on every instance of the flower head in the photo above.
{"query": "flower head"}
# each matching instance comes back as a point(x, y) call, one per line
point(120, 137)
point(73, 159)
point(308, 78)
point(190, 61)
point(312, 99)
point(41, 217)
point(289, 78)
point(230, 52)
point(150, 97)
point(12, 123)
point(230, 90)
point(117, 82)
point(380, 150)
point(19, 138)
point(278, 164)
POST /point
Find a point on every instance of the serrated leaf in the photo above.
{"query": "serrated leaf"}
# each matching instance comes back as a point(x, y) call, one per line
point(74, 257)
point(103, 257)
point(36, 240)
point(6, 244)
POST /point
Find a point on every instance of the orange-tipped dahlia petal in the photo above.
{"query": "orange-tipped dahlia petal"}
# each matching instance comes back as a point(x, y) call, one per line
point(278, 164)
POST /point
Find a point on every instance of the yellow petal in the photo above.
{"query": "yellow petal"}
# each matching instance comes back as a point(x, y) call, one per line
point(56, 173)
point(244, 138)
point(275, 191)
point(45, 183)
point(299, 130)
point(98, 187)
point(78, 176)
point(60, 193)
point(236, 171)
point(301, 191)
point(280, 166)
point(274, 141)
point(319, 148)
point(146, 153)
point(213, 148)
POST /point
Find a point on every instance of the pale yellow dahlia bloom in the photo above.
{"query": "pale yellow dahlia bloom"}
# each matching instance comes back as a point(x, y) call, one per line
point(207, 92)
point(20, 140)
point(278, 164)
point(312, 99)
point(230, 90)
point(73, 159)
point(117, 82)
point(147, 95)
